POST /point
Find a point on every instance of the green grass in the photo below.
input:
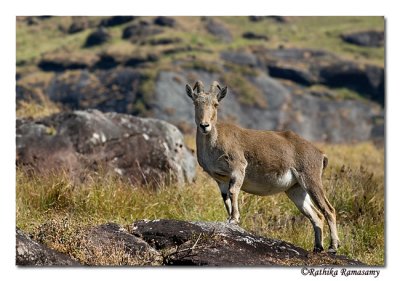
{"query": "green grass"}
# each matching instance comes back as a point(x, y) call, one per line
point(354, 182)
point(309, 32)
point(245, 91)
point(312, 32)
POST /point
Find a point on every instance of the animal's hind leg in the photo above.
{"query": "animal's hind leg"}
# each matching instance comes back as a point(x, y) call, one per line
point(303, 202)
point(313, 185)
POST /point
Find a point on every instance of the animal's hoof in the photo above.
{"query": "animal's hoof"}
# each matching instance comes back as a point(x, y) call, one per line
point(233, 221)
point(318, 249)
point(332, 250)
point(334, 247)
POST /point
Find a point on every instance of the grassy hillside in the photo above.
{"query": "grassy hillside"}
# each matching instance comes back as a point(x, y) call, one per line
point(55, 210)
point(309, 32)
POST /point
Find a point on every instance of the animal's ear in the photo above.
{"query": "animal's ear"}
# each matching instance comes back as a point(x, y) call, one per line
point(189, 92)
point(222, 93)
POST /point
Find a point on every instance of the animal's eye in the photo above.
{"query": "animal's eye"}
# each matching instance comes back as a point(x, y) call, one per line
point(216, 104)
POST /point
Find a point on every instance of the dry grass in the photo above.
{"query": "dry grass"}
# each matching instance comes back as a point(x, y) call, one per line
point(354, 182)
point(36, 110)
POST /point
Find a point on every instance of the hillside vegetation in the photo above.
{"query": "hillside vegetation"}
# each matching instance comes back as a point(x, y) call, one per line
point(55, 210)
point(283, 73)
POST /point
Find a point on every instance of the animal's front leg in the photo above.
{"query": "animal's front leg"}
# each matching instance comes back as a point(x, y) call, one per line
point(235, 185)
point(224, 188)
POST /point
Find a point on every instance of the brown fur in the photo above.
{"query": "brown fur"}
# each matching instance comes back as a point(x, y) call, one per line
point(260, 162)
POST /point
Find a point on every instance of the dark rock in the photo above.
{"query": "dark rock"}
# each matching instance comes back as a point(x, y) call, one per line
point(254, 36)
point(116, 20)
point(139, 31)
point(218, 29)
point(295, 73)
point(146, 151)
point(369, 38)
point(106, 61)
point(223, 244)
point(368, 80)
point(134, 61)
point(174, 242)
point(241, 58)
point(163, 41)
point(308, 67)
point(278, 19)
point(31, 253)
point(97, 37)
point(107, 90)
point(165, 21)
point(256, 18)
point(62, 61)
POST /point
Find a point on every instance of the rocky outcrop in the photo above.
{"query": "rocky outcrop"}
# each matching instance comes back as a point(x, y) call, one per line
point(368, 38)
point(97, 37)
point(174, 242)
point(31, 253)
point(309, 67)
point(58, 62)
point(165, 21)
point(116, 20)
point(145, 151)
point(316, 118)
point(107, 90)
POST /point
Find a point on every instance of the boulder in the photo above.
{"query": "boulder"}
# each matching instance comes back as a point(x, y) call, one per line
point(254, 36)
point(168, 242)
point(116, 20)
point(165, 21)
point(107, 90)
point(368, 38)
point(145, 151)
point(223, 244)
point(218, 29)
point(31, 253)
point(97, 37)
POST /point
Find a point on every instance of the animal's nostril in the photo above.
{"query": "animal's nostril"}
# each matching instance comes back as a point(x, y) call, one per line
point(204, 125)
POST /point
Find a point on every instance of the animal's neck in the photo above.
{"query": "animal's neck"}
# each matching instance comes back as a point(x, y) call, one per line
point(208, 140)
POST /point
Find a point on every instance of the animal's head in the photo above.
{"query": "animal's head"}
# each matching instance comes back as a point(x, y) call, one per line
point(206, 104)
